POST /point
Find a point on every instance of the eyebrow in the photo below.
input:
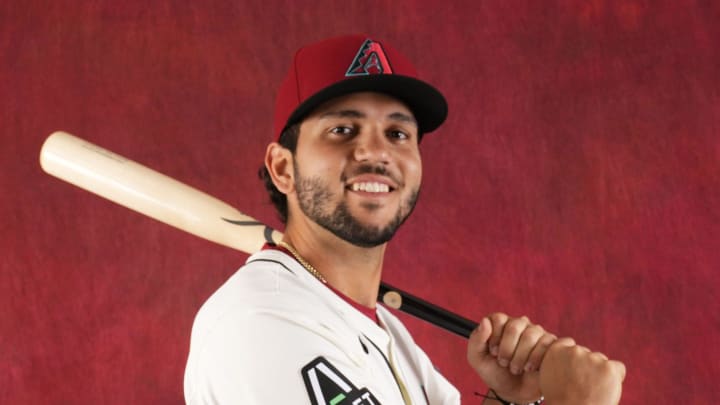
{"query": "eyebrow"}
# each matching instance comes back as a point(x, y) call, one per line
point(396, 116)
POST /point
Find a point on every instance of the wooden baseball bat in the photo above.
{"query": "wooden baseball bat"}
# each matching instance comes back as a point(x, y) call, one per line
point(167, 200)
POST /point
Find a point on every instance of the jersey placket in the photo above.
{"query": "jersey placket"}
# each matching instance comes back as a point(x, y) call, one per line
point(398, 376)
point(390, 362)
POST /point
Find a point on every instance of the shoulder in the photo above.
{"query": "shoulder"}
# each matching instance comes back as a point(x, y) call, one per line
point(272, 298)
point(270, 282)
point(263, 325)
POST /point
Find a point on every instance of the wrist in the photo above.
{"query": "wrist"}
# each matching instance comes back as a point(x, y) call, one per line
point(509, 400)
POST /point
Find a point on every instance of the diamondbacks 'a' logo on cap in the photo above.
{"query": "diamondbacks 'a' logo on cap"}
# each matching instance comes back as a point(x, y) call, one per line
point(370, 60)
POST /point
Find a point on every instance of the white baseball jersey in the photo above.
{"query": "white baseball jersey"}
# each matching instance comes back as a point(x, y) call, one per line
point(274, 334)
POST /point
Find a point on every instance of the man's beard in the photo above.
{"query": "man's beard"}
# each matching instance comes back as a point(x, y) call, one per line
point(314, 197)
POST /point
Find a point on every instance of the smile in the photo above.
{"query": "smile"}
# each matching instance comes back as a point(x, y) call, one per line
point(370, 187)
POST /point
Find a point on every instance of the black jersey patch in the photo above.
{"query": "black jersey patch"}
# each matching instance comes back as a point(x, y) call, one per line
point(326, 385)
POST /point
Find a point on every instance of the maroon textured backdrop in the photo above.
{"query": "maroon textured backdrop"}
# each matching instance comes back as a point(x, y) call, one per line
point(577, 179)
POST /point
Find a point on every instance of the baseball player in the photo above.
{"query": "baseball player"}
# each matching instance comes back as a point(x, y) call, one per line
point(299, 323)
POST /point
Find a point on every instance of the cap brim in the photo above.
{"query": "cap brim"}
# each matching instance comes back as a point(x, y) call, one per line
point(426, 103)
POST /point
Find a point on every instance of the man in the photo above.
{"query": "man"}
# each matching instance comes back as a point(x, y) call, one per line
point(299, 322)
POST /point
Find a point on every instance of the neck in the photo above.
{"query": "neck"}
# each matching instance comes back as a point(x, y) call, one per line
point(354, 271)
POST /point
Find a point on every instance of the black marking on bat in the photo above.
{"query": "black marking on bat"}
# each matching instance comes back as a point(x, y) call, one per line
point(244, 223)
point(268, 235)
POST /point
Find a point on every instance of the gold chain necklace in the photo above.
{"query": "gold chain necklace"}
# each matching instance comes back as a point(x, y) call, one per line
point(309, 267)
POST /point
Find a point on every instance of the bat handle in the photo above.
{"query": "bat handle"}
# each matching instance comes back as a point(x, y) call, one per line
point(410, 304)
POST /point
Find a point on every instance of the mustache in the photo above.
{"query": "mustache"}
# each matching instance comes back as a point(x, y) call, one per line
point(371, 169)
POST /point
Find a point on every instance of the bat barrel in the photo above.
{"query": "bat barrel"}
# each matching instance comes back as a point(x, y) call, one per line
point(151, 193)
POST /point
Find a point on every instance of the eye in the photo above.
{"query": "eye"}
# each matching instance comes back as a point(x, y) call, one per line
point(397, 134)
point(342, 130)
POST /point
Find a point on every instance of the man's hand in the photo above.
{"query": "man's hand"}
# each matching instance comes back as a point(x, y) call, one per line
point(572, 374)
point(506, 353)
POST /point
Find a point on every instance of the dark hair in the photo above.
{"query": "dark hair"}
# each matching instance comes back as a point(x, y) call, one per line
point(288, 140)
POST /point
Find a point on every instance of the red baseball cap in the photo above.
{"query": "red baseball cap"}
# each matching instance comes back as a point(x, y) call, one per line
point(339, 66)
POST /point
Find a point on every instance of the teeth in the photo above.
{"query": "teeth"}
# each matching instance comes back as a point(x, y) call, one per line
point(371, 187)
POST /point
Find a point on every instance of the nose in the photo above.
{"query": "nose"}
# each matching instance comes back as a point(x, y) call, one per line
point(371, 146)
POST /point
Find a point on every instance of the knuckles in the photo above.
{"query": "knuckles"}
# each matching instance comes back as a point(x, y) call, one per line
point(497, 318)
point(517, 325)
point(596, 363)
point(535, 331)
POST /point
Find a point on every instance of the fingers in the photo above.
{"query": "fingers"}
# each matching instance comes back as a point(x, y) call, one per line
point(519, 336)
point(498, 321)
point(619, 368)
point(517, 343)
point(511, 333)
point(564, 342)
point(535, 358)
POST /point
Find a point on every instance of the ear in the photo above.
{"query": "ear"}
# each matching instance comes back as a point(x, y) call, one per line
point(279, 162)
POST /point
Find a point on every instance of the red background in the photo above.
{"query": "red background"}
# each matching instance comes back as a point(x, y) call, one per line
point(577, 179)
